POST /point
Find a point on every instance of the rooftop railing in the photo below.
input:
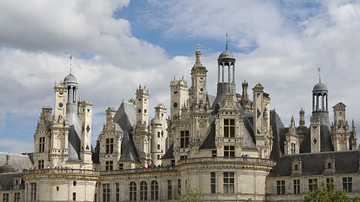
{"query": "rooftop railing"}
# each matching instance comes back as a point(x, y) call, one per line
point(139, 170)
point(246, 160)
point(60, 171)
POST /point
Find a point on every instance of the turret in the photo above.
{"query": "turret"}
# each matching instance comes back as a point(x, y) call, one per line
point(226, 76)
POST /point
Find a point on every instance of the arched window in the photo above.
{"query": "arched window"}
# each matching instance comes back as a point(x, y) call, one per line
point(154, 191)
point(143, 191)
point(132, 191)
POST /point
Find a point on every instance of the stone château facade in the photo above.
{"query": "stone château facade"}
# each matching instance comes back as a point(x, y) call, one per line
point(230, 146)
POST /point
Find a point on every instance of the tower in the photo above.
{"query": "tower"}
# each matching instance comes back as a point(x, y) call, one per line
point(198, 104)
point(142, 105)
point(197, 91)
point(320, 103)
point(86, 120)
point(159, 134)
point(178, 97)
point(261, 120)
point(340, 134)
point(226, 76)
point(141, 135)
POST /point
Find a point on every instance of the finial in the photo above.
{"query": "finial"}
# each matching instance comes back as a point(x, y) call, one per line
point(70, 63)
point(227, 41)
point(319, 74)
point(8, 159)
point(198, 55)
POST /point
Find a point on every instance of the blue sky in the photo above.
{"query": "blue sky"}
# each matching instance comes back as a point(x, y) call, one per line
point(116, 45)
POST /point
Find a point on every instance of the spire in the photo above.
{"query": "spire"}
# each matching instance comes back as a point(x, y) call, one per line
point(198, 55)
point(227, 41)
point(319, 74)
point(70, 63)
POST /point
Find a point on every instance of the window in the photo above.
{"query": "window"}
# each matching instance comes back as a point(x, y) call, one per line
point(41, 144)
point(158, 147)
point(329, 165)
point(121, 166)
point(330, 184)
point(169, 189)
point(296, 167)
point(179, 186)
point(347, 184)
point(158, 134)
point(109, 165)
point(143, 191)
point(184, 139)
point(109, 145)
point(280, 187)
point(229, 182)
point(106, 192)
point(183, 157)
point(16, 197)
point(132, 191)
point(229, 128)
point(154, 191)
point(312, 184)
point(41, 164)
point(74, 196)
point(213, 153)
point(158, 157)
point(117, 192)
point(6, 197)
point(74, 183)
point(229, 151)
point(292, 148)
point(212, 182)
point(296, 186)
point(32, 191)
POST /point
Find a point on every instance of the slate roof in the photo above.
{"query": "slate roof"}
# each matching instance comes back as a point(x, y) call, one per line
point(209, 142)
point(74, 137)
point(313, 163)
point(19, 162)
point(7, 181)
point(325, 141)
point(169, 153)
point(210, 98)
point(125, 117)
point(278, 133)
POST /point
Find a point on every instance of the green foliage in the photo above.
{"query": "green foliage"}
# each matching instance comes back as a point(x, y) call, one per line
point(322, 194)
point(192, 195)
point(248, 200)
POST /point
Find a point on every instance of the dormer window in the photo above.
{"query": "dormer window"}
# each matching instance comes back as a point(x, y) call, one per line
point(329, 165)
point(296, 168)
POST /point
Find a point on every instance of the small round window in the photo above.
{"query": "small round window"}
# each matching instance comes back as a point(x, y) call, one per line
point(175, 92)
point(139, 111)
point(175, 104)
point(61, 105)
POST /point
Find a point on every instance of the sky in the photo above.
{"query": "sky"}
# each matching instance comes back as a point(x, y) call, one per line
point(116, 45)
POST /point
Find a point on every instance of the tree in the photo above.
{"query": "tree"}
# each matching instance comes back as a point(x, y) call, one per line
point(322, 194)
point(192, 195)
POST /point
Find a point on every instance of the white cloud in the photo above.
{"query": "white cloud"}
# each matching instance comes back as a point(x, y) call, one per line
point(290, 43)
